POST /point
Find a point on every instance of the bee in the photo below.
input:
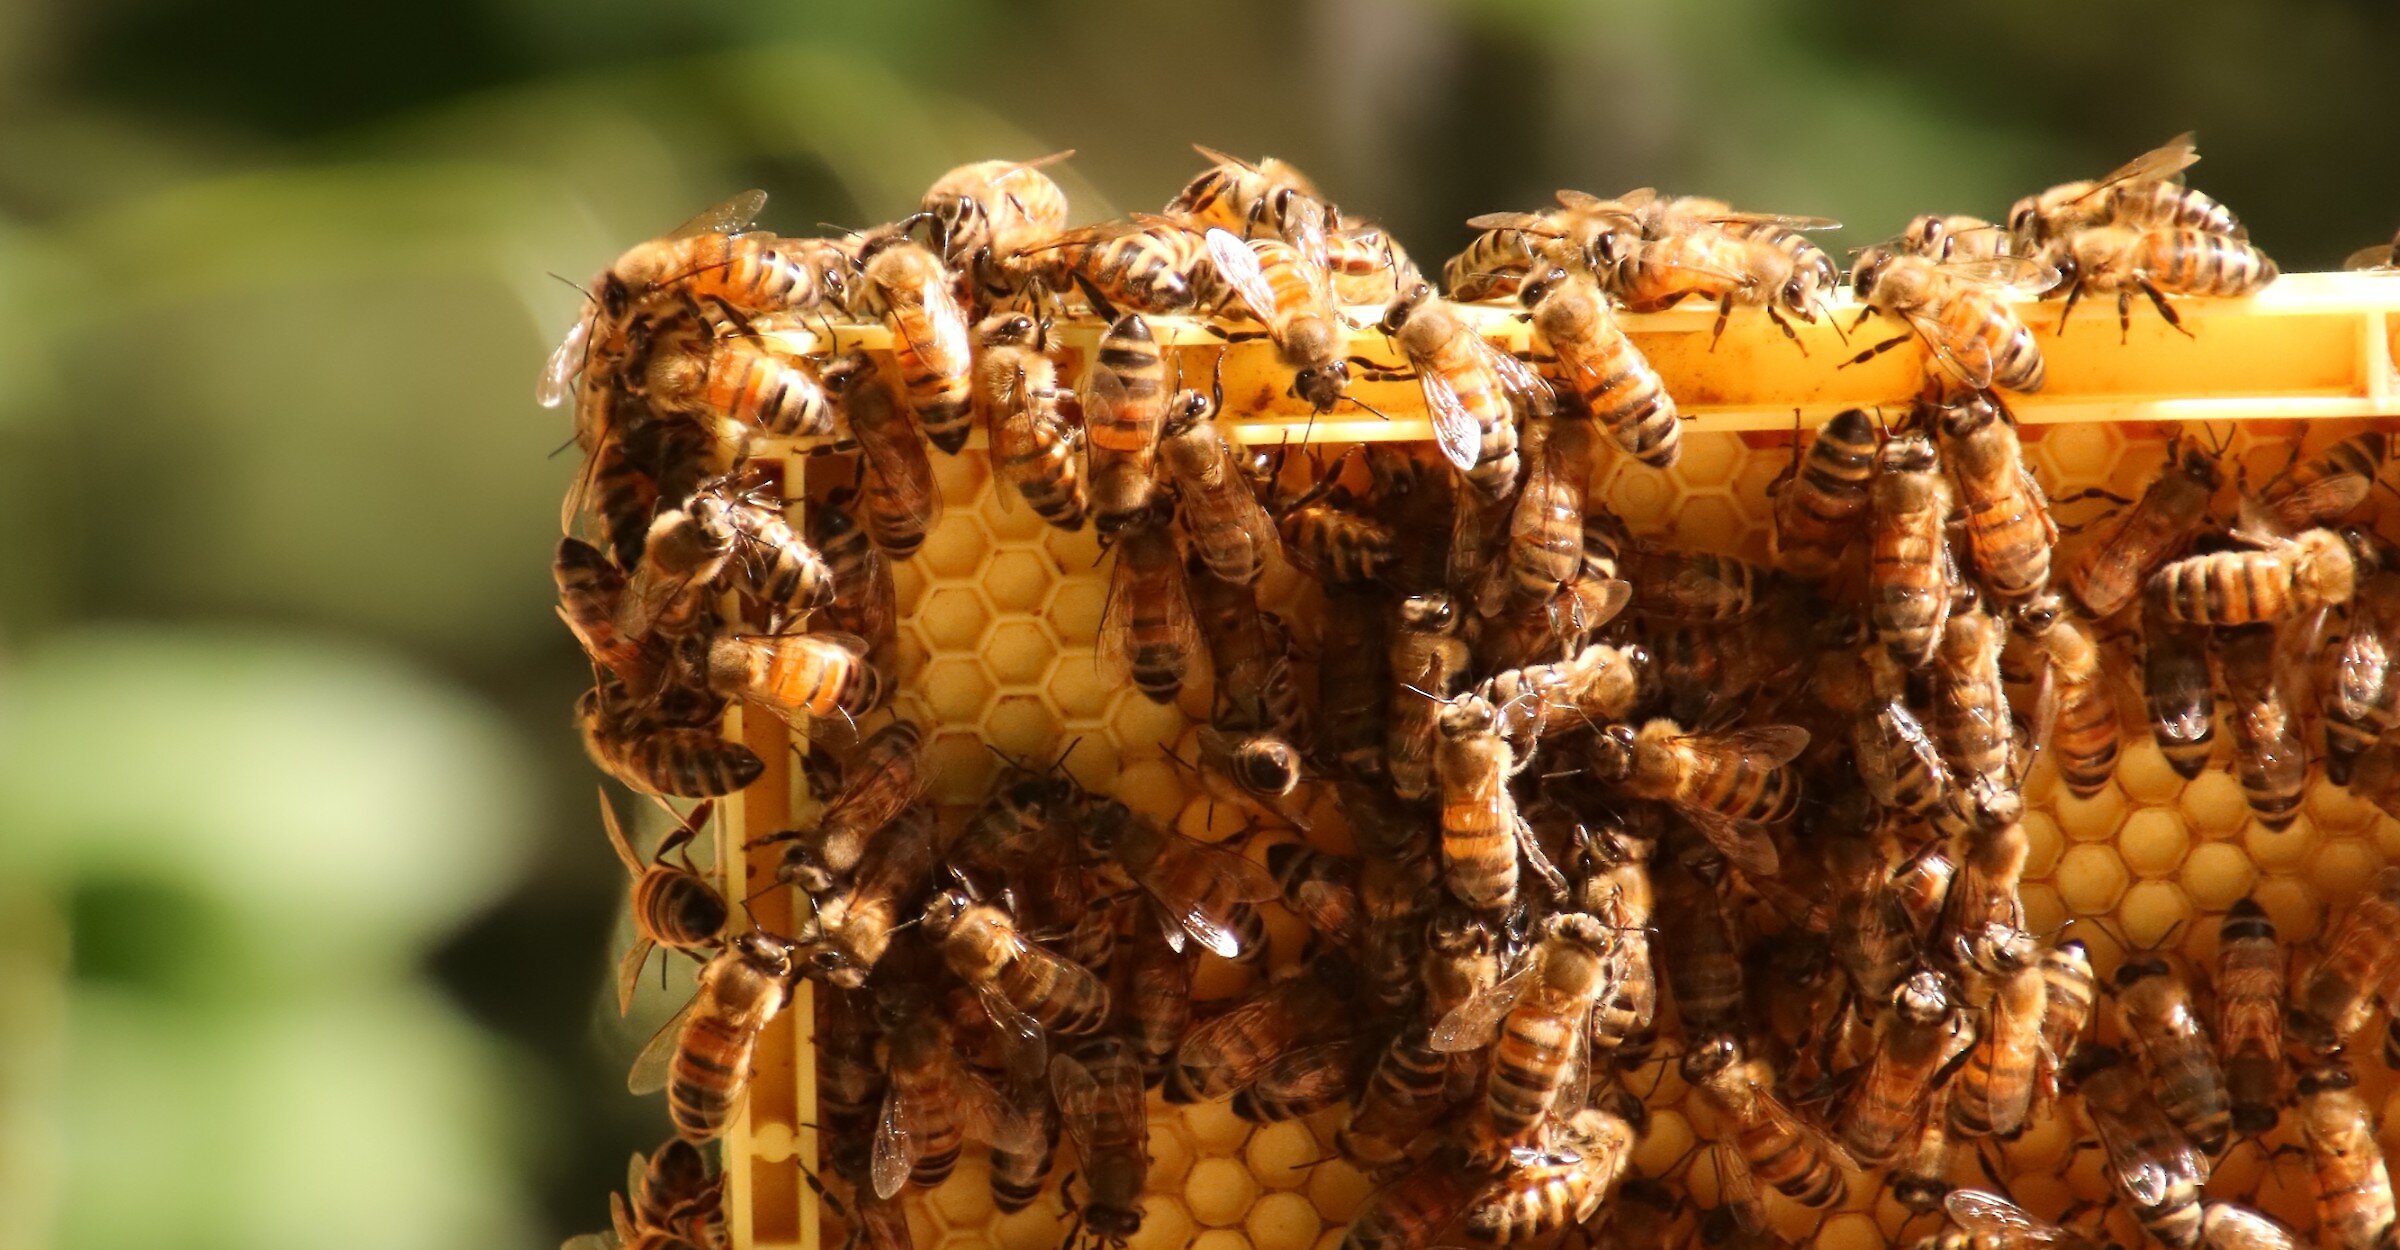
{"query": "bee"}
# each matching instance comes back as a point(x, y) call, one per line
point(1729, 785)
point(2232, 1226)
point(2083, 737)
point(1395, 897)
point(1025, 987)
point(1699, 954)
point(1251, 653)
point(2009, 530)
point(1774, 1144)
point(1970, 715)
point(2338, 995)
point(1201, 891)
point(2275, 578)
point(1920, 1179)
point(1896, 754)
point(1959, 310)
point(2249, 985)
point(1124, 408)
point(1236, 195)
point(935, 1101)
point(2071, 990)
point(802, 678)
point(1428, 660)
point(1695, 587)
point(1229, 529)
point(1367, 265)
point(1148, 265)
point(589, 588)
point(628, 1233)
point(2140, 189)
point(1229, 1050)
point(1587, 356)
point(2152, 1165)
point(1247, 768)
point(899, 500)
point(2178, 691)
point(698, 371)
point(1918, 1038)
point(2360, 693)
point(1823, 498)
point(772, 563)
point(702, 1056)
point(2354, 1187)
point(1492, 265)
point(1545, 1192)
point(2110, 572)
point(1411, 1212)
point(1148, 630)
point(1401, 1099)
point(1292, 296)
point(685, 549)
point(1482, 832)
point(1019, 1176)
point(1873, 940)
point(855, 926)
point(673, 905)
point(1354, 682)
point(672, 1192)
point(1157, 1003)
point(865, 602)
point(987, 214)
point(1993, 1090)
point(1909, 572)
point(2155, 261)
point(662, 759)
point(1319, 887)
point(2270, 753)
point(1099, 1094)
point(1596, 686)
point(1692, 251)
point(1472, 390)
point(932, 343)
point(2381, 258)
point(1300, 1082)
point(2330, 485)
point(1545, 528)
point(887, 775)
point(2163, 1027)
point(1953, 236)
point(1994, 1222)
point(1016, 394)
point(1325, 539)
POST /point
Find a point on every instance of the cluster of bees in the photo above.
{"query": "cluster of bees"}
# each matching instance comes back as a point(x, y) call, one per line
point(1614, 806)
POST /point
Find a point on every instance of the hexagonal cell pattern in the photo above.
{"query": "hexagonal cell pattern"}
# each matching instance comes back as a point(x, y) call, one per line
point(1002, 613)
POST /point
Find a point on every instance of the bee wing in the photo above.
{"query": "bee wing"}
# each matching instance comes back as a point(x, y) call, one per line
point(566, 361)
point(1455, 430)
point(1785, 220)
point(1116, 618)
point(1737, 1189)
point(1237, 268)
point(616, 836)
point(1526, 223)
point(734, 216)
point(629, 971)
point(2015, 271)
point(592, 1241)
point(1525, 388)
point(1306, 233)
point(1020, 1034)
point(1743, 843)
point(1312, 1071)
point(2164, 163)
point(637, 1171)
point(1471, 1024)
point(990, 1116)
point(1980, 1212)
point(2377, 257)
point(1603, 604)
point(1105, 403)
point(1190, 879)
point(1772, 744)
point(910, 768)
point(1327, 906)
point(2324, 499)
point(649, 1073)
point(1215, 157)
point(1077, 1093)
point(895, 1152)
point(1969, 360)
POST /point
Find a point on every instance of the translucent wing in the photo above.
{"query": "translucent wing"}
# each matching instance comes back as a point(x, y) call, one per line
point(1135, 593)
point(895, 1153)
point(1305, 231)
point(1737, 1189)
point(2326, 499)
point(1215, 157)
point(989, 1115)
point(2163, 163)
point(1197, 885)
point(735, 216)
point(2376, 259)
point(1328, 907)
point(1526, 223)
point(1785, 220)
point(1967, 359)
point(1596, 606)
point(566, 361)
point(616, 837)
point(2017, 271)
point(1472, 1024)
point(1237, 268)
point(1525, 388)
point(649, 1074)
point(1455, 429)
point(1078, 1098)
point(1980, 1212)
point(1020, 1034)
point(874, 799)
point(1767, 744)
point(637, 1172)
point(1743, 843)
point(629, 971)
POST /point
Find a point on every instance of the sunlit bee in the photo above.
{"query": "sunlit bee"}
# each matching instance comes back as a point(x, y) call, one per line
point(2157, 262)
point(702, 1056)
point(673, 905)
point(1698, 954)
point(2330, 485)
point(1952, 236)
point(1270, 198)
point(2150, 1163)
point(899, 500)
point(1910, 575)
point(2250, 988)
point(1411, 1212)
point(1970, 714)
point(1156, 1006)
point(935, 1102)
point(1331, 542)
point(1301, 1082)
point(932, 343)
point(2337, 995)
point(1563, 1187)
point(2111, 571)
point(855, 926)
point(2071, 991)
point(1481, 830)
point(1539, 1017)
point(1729, 785)
point(802, 678)
point(1960, 311)
point(1472, 390)
point(1229, 1050)
point(1822, 500)
point(1991, 1222)
point(2162, 1025)
point(684, 551)
point(1595, 686)
point(1402, 1098)
point(1586, 355)
point(2232, 1226)
point(1718, 266)
point(2354, 1187)
point(1229, 528)
point(2275, 579)
point(697, 370)
point(1428, 660)
point(1202, 892)
point(865, 602)
point(1320, 887)
point(1354, 681)
point(1026, 988)
point(2359, 692)
point(1099, 1095)
point(1771, 1140)
point(1124, 408)
point(1147, 631)
point(1147, 265)
point(1897, 757)
point(2071, 206)
point(660, 759)
point(2084, 734)
point(2008, 525)
point(1292, 296)
point(987, 213)
point(1367, 265)
point(1993, 1090)
point(885, 775)
point(772, 563)
point(2270, 747)
point(1016, 395)
point(1917, 1038)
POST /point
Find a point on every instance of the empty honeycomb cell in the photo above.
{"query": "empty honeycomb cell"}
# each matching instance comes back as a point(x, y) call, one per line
point(1138, 723)
point(2273, 849)
point(2074, 452)
point(2042, 1146)
point(1017, 581)
point(952, 552)
point(1171, 1148)
point(1641, 497)
point(2214, 804)
point(1279, 1155)
point(1038, 1227)
point(2091, 879)
point(2088, 820)
point(959, 766)
point(2153, 841)
point(1149, 785)
point(2217, 874)
point(1283, 1222)
point(1074, 613)
point(1337, 1190)
point(2153, 911)
point(1165, 1224)
point(1013, 523)
point(1071, 553)
point(1077, 686)
point(955, 690)
point(2291, 905)
point(1018, 652)
point(2043, 843)
point(1197, 699)
point(2044, 910)
point(966, 1200)
point(2337, 810)
point(2386, 834)
point(1849, 1231)
point(2040, 784)
point(2341, 871)
point(1093, 763)
point(908, 586)
point(1222, 1239)
point(1022, 725)
point(952, 620)
point(961, 477)
point(1219, 1192)
point(1668, 1141)
point(2143, 772)
point(1215, 1130)
point(1705, 521)
point(1710, 462)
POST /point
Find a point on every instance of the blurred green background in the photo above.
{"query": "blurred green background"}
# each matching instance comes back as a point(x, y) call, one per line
point(304, 914)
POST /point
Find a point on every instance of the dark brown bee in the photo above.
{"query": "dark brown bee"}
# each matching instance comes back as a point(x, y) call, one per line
point(1354, 682)
point(672, 1192)
point(2008, 525)
point(1124, 408)
point(1327, 540)
point(1156, 1006)
point(702, 1056)
point(1771, 1140)
point(1919, 1037)
point(2162, 1026)
point(1229, 1050)
point(1099, 1094)
point(1545, 529)
point(1201, 891)
point(1698, 953)
point(2111, 571)
point(935, 1101)
point(1229, 529)
point(2337, 996)
point(2330, 485)
point(2084, 734)
point(1411, 1212)
point(661, 759)
point(1319, 887)
point(2152, 1165)
point(1300, 1082)
point(2354, 1186)
point(1401, 1098)
point(1020, 1176)
point(899, 501)
point(2270, 751)
point(886, 775)
point(1822, 500)
point(1026, 988)
point(2360, 693)
point(589, 589)
point(855, 927)
point(1910, 575)
point(1148, 632)
point(673, 905)
point(2249, 986)
point(865, 602)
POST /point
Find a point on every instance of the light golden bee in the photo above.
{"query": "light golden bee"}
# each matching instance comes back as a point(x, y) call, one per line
point(1728, 785)
point(1229, 528)
point(1428, 659)
point(2270, 746)
point(2150, 1163)
point(1367, 265)
point(1910, 574)
point(2354, 1186)
point(1960, 312)
point(1292, 297)
point(2143, 191)
point(1772, 1141)
point(2274, 578)
point(1473, 390)
point(805, 679)
point(986, 215)
point(772, 564)
point(702, 1057)
point(1823, 499)
point(1993, 1090)
point(1270, 196)
point(1099, 1094)
point(2161, 1024)
point(2156, 261)
point(1922, 1032)
point(1690, 255)
point(1035, 453)
point(2110, 572)
point(2008, 525)
point(1148, 265)
point(1561, 1188)
point(932, 342)
point(1545, 529)
point(1595, 686)
point(2250, 988)
point(673, 905)
point(698, 370)
point(1952, 236)
point(685, 550)
point(1027, 989)
point(1587, 357)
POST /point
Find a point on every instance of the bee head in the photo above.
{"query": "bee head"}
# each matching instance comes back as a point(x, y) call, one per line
point(1709, 1056)
point(2135, 971)
point(2039, 614)
point(2332, 1074)
point(1869, 270)
point(1007, 329)
point(765, 951)
point(2023, 217)
point(1912, 452)
point(1467, 715)
point(944, 908)
point(1322, 385)
point(1396, 314)
point(1537, 285)
point(1921, 999)
point(1612, 753)
point(2089, 1061)
point(804, 866)
point(1433, 613)
point(1105, 826)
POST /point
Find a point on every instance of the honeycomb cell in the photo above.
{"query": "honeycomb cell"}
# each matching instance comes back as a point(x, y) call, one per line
point(1222, 1239)
point(908, 587)
point(959, 766)
point(1071, 553)
point(1219, 1192)
point(2048, 1197)
point(1642, 497)
point(1333, 1238)
point(1337, 1190)
point(1210, 819)
point(1218, 979)
point(961, 478)
point(952, 552)
point(1171, 1148)
point(1077, 686)
point(1018, 652)
point(2214, 804)
point(1022, 725)
point(1852, 1231)
point(2291, 905)
point(2341, 870)
point(2144, 774)
point(1215, 1129)
point(2386, 835)
point(966, 1201)
point(1016, 581)
point(2153, 841)
point(1138, 723)
point(2091, 879)
point(1706, 521)
point(1152, 787)
point(955, 690)
point(2276, 849)
point(1074, 613)
point(1669, 1139)
point(1038, 1227)
point(2336, 810)
point(2070, 452)
point(1710, 462)
point(1165, 1225)
point(1283, 1222)
point(2042, 843)
point(953, 619)
point(2088, 820)
point(2217, 874)
point(2044, 911)
point(1279, 1155)
point(2044, 1144)
point(1012, 522)
point(2151, 912)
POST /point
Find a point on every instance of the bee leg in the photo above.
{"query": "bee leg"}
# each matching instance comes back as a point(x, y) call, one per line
point(2158, 300)
point(2124, 316)
point(2074, 293)
point(1099, 302)
point(1877, 350)
point(1554, 881)
point(1783, 324)
point(1724, 312)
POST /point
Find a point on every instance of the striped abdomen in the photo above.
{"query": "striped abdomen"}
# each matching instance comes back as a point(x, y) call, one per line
point(1784, 1157)
point(1911, 587)
point(1402, 1097)
point(1993, 1091)
point(2250, 987)
point(1158, 267)
point(1458, 360)
point(2190, 262)
point(1019, 1176)
point(816, 676)
point(679, 909)
point(2150, 202)
point(692, 763)
point(2227, 588)
point(1529, 1065)
point(1033, 450)
point(710, 1069)
point(1820, 508)
point(743, 380)
point(1975, 315)
point(934, 349)
point(1602, 368)
point(1490, 266)
point(1733, 785)
point(1337, 546)
point(2085, 736)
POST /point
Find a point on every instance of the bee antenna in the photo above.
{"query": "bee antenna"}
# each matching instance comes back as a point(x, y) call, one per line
point(587, 295)
point(1379, 414)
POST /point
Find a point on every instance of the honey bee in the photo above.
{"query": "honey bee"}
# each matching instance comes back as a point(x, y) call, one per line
point(2274, 578)
point(935, 1102)
point(2249, 987)
point(1157, 1003)
point(1970, 715)
point(2071, 990)
point(1897, 757)
point(1492, 265)
point(1229, 1050)
point(628, 1233)
point(1396, 894)
point(1124, 408)
point(1319, 887)
point(1251, 653)
point(1016, 394)
point(1995, 1223)
point(1367, 264)
point(1910, 573)
point(1698, 587)
point(2232, 1226)
point(662, 759)
point(2381, 258)
point(1229, 529)
point(1019, 1176)
point(2178, 690)
point(2110, 572)
point(1691, 251)
point(1472, 389)
point(899, 500)
point(1587, 356)
point(2152, 1165)
point(1481, 829)
point(2162, 1026)
point(865, 602)
point(1236, 195)
point(2156, 261)
point(1354, 681)
point(2337, 996)
point(985, 215)
point(1324, 538)
point(1873, 940)
point(1428, 659)
point(772, 563)
point(1953, 236)
point(801, 678)
point(672, 1192)
point(1959, 310)
point(1542, 1193)
point(1923, 1032)
point(886, 776)
point(1099, 1093)
point(2354, 1187)
point(2009, 530)
point(685, 549)
point(1411, 1212)
point(1292, 296)
point(700, 371)
point(1300, 1082)
point(702, 1056)
point(1200, 890)
point(1026, 988)
point(2083, 736)
point(673, 905)
point(1824, 497)
point(2270, 753)
point(2330, 485)
point(855, 926)
point(932, 342)
point(2360, 691)
point(1773, 1143)
point(1596, 686)
point(1545, 528)
point(1920, 1179)
point(1402, 1097)
point(1993, 1090)
point(1729, 785)
point(589, 588)
point(2142, 191)
point(1148, 265)
point(1148, 631)
point(1699, 954)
